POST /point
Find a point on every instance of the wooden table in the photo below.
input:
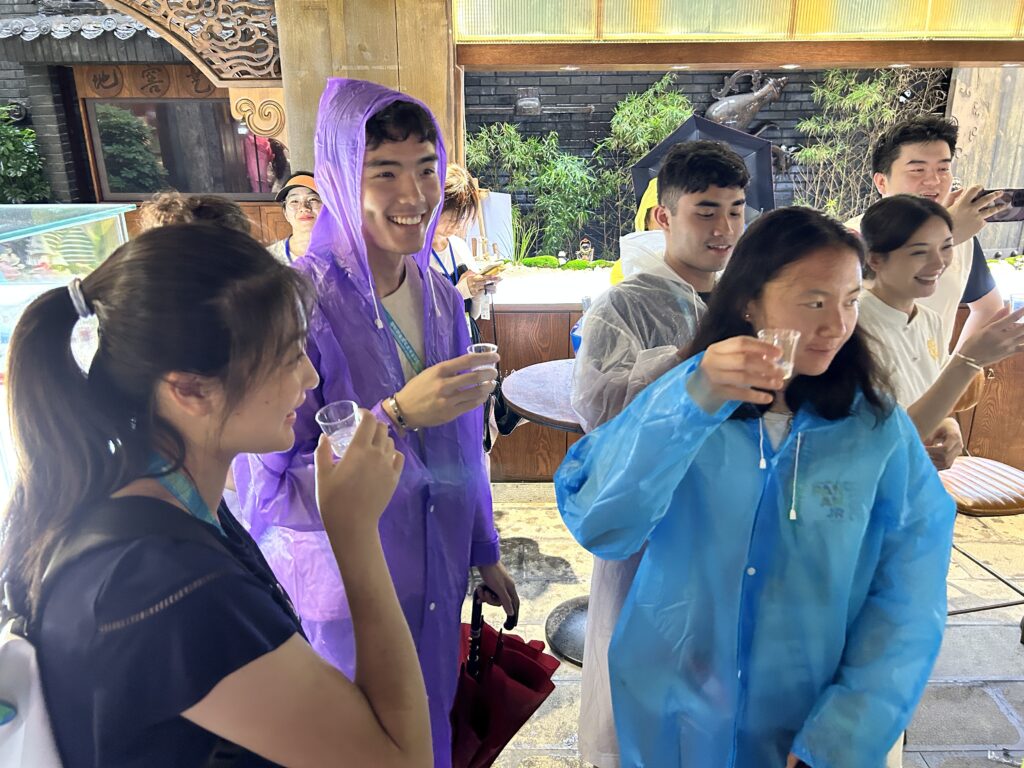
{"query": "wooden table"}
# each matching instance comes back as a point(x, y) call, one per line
point(541, 393)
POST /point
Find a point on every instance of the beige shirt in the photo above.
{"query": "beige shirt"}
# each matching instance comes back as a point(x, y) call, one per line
point(910, 349)
point(950, 288)
point(406, 308)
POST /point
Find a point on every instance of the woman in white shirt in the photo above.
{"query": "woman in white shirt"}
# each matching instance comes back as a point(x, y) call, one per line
point(450, 253)
point(910, 245)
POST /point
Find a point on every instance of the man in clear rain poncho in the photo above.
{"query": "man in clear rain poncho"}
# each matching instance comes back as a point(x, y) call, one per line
point(634, 333)
point(388, 332)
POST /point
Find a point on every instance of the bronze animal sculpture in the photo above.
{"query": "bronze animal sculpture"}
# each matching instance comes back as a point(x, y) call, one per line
point(738, 111)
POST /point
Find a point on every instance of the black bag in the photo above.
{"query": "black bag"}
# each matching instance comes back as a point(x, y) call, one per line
point(503, 415)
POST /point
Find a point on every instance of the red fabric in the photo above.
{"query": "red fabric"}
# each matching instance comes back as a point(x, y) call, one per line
point(515, 679)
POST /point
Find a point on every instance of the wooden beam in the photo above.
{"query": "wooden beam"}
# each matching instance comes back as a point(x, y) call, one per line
point(305, 67)
point(854, 54)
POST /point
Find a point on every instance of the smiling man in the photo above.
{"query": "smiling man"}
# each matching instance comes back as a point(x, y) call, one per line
point(915, 157)
point(635, 332)
point(387, 332)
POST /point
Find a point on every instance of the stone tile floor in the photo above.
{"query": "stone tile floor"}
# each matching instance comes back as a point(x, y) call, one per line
point(975, 699)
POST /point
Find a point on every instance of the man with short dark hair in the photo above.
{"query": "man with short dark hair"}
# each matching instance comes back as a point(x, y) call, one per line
point(387, 332)
point(634, 333)
point(915, 157)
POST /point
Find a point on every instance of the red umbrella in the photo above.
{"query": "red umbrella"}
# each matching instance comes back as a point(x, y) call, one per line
point(501, 684)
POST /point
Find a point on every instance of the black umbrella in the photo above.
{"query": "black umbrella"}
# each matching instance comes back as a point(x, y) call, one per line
point(756, 154)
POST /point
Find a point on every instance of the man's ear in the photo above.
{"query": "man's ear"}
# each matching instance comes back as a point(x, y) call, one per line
point(661, 216)
point(881, 182)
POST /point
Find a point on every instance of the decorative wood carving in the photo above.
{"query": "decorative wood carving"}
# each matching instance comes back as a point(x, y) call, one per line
point(261, 110)
point(193, 83)
point(233, 42)
point(153, 80)
point(105, 81)
point(145, 81)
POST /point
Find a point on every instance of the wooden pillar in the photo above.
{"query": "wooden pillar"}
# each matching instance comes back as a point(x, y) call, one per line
point(403, 44)
point(988, 104)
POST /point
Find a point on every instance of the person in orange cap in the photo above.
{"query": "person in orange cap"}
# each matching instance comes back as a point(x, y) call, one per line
point(301, 203)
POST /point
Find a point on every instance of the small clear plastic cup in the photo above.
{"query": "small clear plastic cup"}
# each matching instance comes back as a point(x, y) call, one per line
point(1016, 302)
point(785, 339)
point(482, 349)
point(339, 421)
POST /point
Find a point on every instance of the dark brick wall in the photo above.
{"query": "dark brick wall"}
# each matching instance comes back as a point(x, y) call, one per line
point(578, 133)
point(12, 82)
point(57, 133)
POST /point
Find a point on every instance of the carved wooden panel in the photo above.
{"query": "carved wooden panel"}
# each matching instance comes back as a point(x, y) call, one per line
point(265, 217)
point(233, 42)
point(996, 431)
point(273, 224)
point(261, 110)
point(144, 81)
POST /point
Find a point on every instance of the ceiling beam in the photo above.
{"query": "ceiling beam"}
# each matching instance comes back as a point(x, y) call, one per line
point(856, 54)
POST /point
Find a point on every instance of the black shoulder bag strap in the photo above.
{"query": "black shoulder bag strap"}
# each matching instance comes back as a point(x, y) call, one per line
point(131, 517)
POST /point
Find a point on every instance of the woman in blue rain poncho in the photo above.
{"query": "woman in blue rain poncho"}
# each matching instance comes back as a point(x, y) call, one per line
point(791, 599)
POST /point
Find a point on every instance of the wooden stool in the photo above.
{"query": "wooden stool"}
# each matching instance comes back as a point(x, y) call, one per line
point(986, 488)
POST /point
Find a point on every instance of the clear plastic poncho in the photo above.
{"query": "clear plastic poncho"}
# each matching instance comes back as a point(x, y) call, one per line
point(632, 335)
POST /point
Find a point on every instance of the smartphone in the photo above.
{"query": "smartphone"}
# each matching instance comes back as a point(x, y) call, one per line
point(1016, 210)
point(493, 269)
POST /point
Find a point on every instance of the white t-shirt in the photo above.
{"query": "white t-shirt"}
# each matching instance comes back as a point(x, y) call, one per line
point(279, 251)
point(406, 308)
point(950, 288)
point(911, 350)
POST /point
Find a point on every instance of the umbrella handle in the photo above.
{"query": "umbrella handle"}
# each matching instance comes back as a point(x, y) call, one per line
point(478, 601)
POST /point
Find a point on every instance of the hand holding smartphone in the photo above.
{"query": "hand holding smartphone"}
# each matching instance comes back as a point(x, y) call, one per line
point(1015, 209)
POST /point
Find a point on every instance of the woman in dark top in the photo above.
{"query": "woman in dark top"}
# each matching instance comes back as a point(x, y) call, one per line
point(158, 651)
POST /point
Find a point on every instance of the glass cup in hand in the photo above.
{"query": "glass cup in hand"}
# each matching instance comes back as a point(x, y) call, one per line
point(1016, 302)
point(786, 340)
point(339, 421)
point(482, 349)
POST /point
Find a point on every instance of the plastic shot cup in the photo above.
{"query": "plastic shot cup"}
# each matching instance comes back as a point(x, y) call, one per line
point(482, 349)
point(1016, 302)
point(786, 340)
point(339, 421)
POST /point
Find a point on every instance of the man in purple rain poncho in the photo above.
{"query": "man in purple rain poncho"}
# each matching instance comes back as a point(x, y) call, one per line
point(389, 333)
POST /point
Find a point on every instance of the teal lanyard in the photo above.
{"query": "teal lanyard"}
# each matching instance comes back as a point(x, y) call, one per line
point(185, 492)
point(415, 361)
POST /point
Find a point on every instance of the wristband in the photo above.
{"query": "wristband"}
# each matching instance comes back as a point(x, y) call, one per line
point(969, 361)
point(399, 416)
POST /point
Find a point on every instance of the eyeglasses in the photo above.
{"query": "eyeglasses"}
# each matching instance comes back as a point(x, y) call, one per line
point(298, 203)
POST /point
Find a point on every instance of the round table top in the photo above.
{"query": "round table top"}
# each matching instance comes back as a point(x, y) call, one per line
point(540, 393)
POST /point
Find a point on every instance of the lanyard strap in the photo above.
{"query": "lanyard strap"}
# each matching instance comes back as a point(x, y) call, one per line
point(453, 275)
point(181, 487)
point(288, 249)
point(410, 353)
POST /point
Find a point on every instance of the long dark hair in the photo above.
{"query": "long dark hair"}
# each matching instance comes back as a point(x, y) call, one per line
point(892, 221)
point(196, 298)
point(770, 244)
